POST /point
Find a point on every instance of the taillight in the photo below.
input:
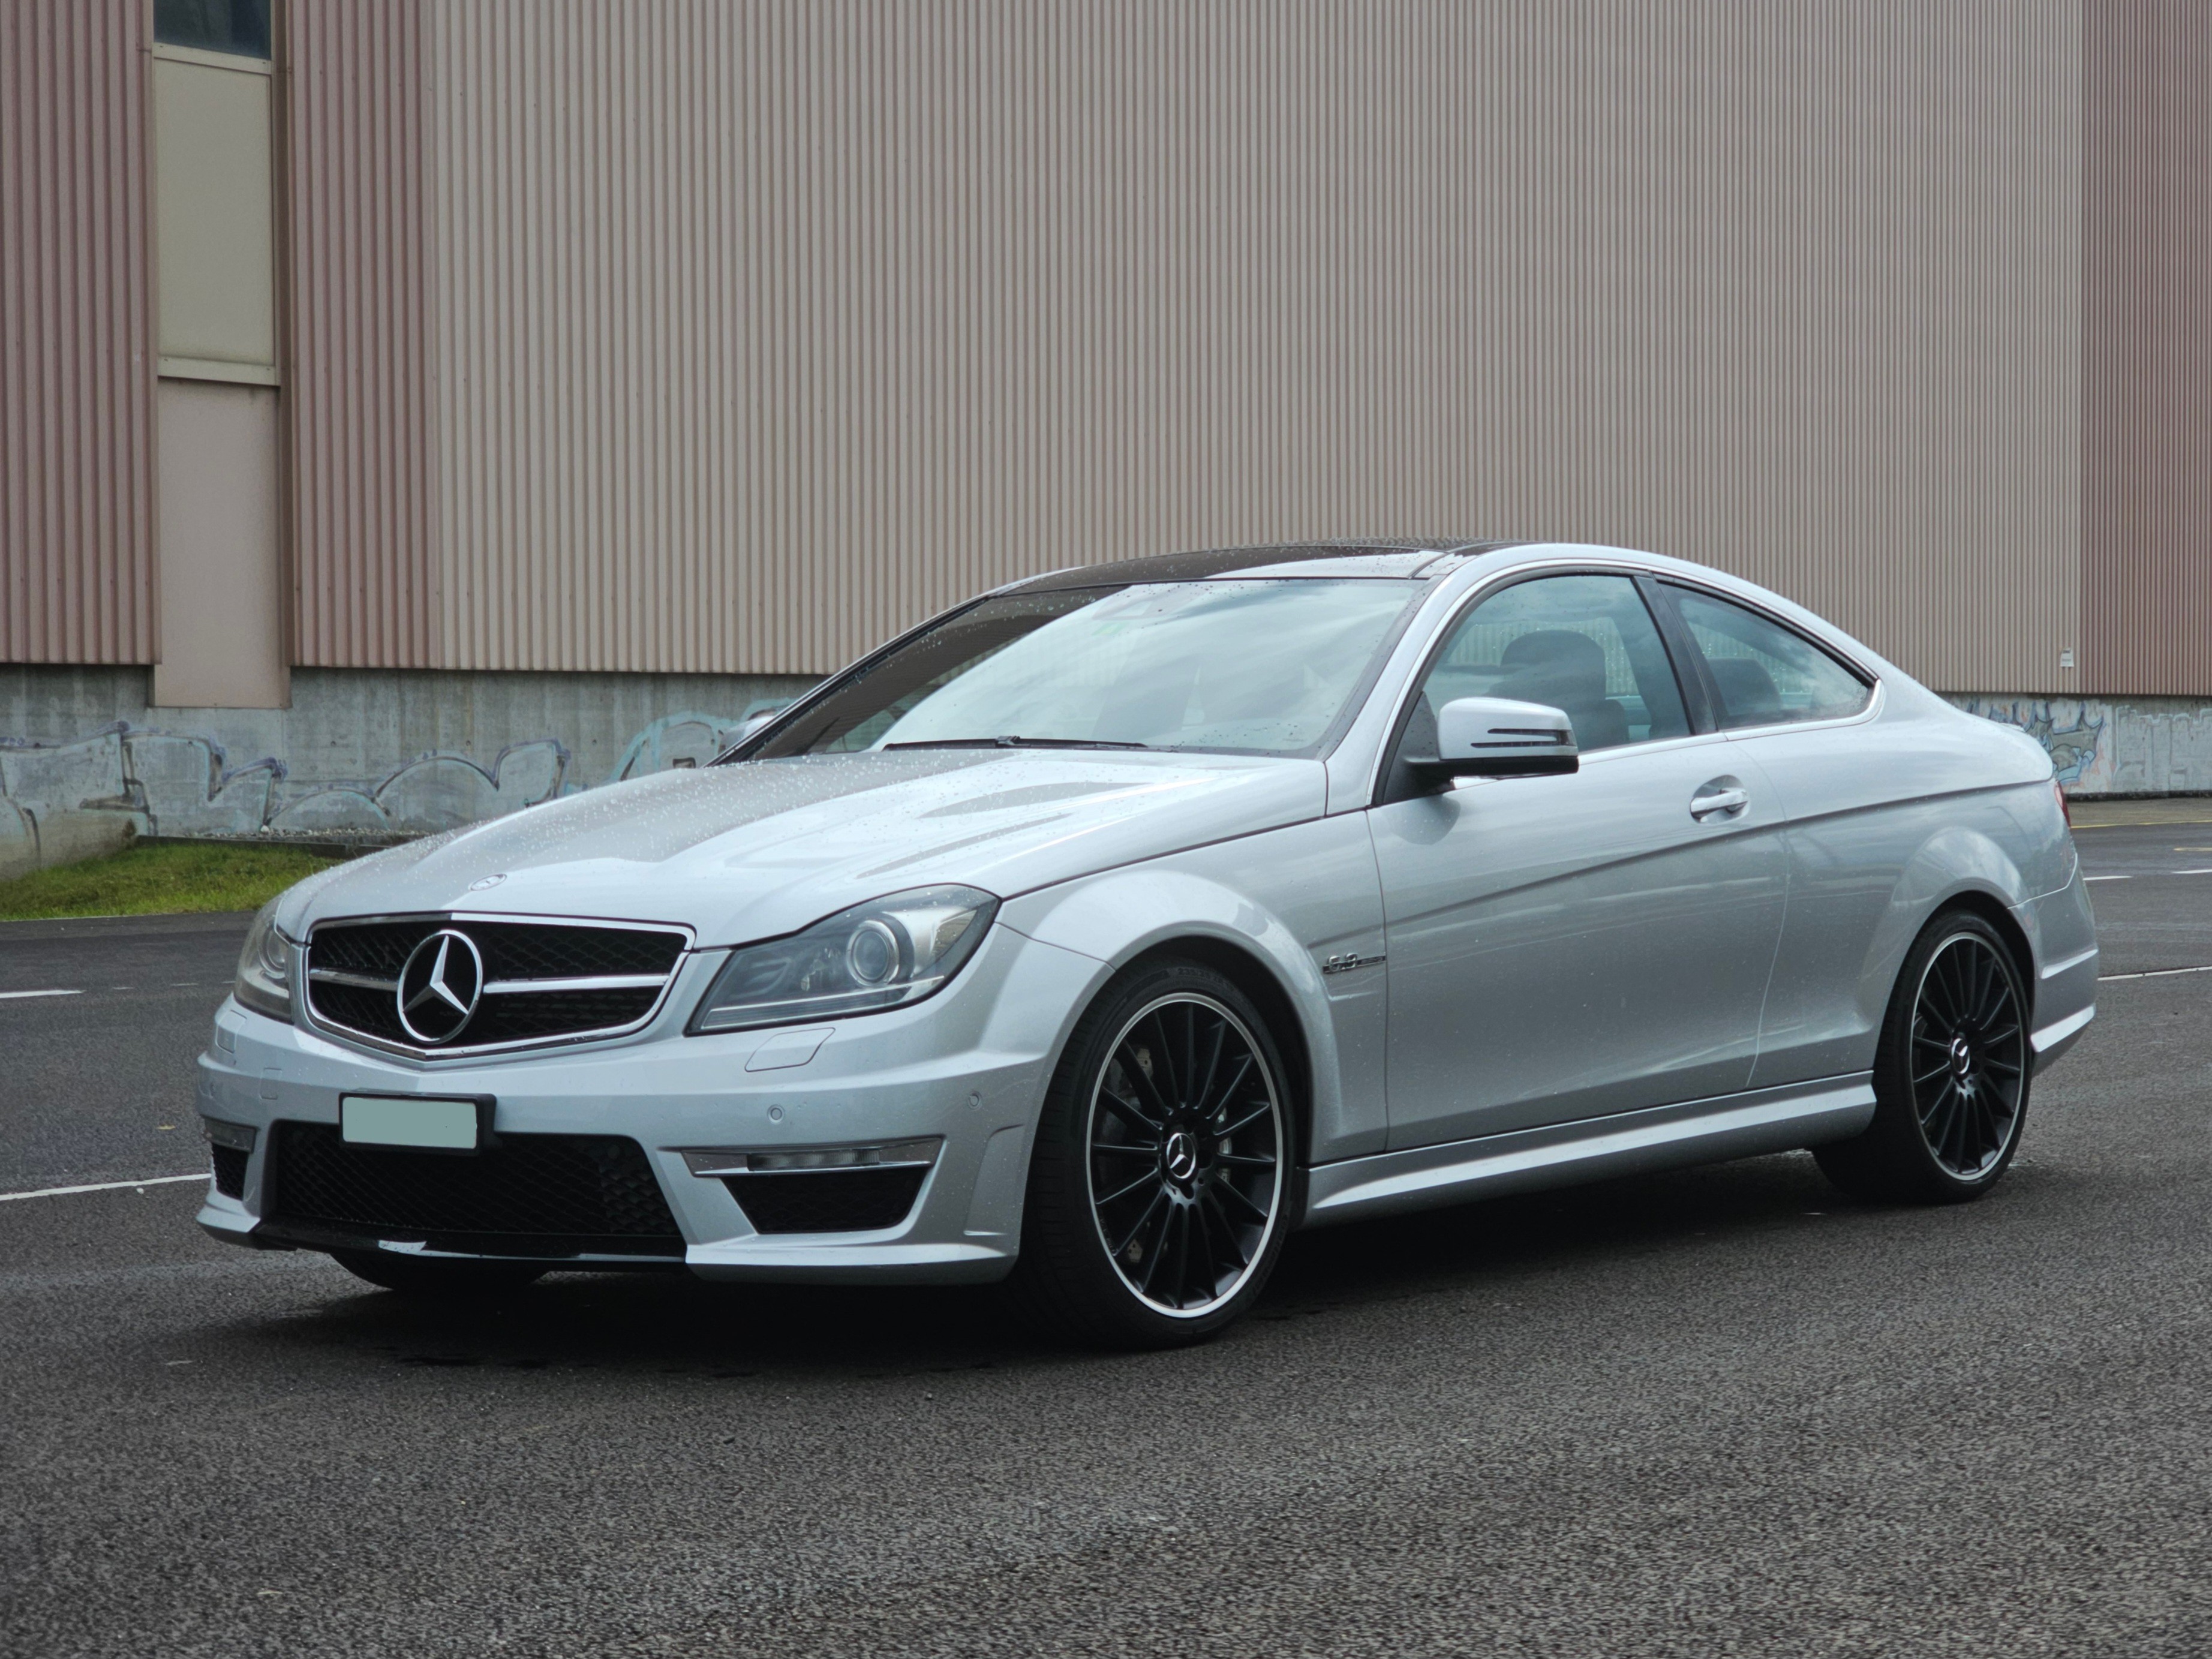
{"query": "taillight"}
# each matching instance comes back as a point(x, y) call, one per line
point(2064, 811)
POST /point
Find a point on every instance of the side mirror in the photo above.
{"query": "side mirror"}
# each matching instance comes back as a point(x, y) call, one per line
point(1498, 738)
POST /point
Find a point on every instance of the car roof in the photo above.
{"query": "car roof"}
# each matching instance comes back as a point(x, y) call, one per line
point(1383, 557)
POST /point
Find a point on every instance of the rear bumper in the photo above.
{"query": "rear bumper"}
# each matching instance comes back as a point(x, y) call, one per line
point(2064, 930)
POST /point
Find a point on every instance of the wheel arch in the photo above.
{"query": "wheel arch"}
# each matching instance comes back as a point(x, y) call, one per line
point(1980, 902)
point(1961, 866)
point(1134, 917)
point(1245, 970)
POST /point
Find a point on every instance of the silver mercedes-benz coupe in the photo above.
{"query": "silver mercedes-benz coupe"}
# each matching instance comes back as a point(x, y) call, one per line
point(1107, 928)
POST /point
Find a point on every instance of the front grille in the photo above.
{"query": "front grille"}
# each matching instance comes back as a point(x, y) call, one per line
point(229, 1170)
point(539, 1195)
point(861, 1200)
point(542, 982)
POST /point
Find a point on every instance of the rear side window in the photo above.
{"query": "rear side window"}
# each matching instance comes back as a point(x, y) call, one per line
point(1763, 673)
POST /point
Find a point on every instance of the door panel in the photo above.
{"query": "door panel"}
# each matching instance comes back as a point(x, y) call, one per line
point(1860, 795)
point(1565, 947)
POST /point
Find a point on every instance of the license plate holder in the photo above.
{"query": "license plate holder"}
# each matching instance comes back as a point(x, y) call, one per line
point(418, 1123)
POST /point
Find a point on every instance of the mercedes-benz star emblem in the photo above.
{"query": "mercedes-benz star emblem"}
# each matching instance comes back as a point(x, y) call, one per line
point(439, 986)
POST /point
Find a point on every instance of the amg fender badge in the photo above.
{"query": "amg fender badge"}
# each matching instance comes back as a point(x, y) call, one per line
point(1350, 960)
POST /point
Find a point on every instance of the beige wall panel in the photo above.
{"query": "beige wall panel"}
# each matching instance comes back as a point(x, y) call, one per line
point(2146, 551)
point(358, 393)
point(764, 330)
point(221, 598)
point(215, 206)
point(76, 431)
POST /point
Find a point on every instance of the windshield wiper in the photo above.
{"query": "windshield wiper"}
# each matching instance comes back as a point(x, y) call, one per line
point(1017, 743)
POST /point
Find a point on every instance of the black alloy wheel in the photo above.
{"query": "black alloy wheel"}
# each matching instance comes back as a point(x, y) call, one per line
point(1186, 1141)
point(1165, 1175)
point(1969, 1056)
point(1951, 1075)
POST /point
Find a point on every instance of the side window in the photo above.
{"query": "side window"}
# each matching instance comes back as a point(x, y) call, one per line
point(1765, 673)
point(1584, 644)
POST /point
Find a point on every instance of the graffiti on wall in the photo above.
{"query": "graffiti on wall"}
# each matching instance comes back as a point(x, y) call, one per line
point(161, 782)
point(2071, 731)
point(187, 783)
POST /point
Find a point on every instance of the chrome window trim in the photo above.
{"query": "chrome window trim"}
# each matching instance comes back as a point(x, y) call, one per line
point(1827, 648)
point(310, 1020)
point(1874, 704)
point(1455, 597)
point(1848, 661)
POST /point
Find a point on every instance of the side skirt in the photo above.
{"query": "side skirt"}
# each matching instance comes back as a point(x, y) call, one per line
point(1777, 1119)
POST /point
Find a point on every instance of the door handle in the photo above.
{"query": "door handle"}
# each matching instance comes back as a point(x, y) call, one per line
point(1723, 798)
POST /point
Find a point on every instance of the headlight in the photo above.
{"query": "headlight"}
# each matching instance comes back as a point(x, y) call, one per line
point(884, 954)
point(265, 968)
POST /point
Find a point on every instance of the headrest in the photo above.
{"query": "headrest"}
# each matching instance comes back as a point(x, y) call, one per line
point(1554, 665)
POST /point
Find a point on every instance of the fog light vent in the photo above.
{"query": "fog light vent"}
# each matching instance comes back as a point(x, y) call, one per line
point(853, 1199)
point(229, 1170)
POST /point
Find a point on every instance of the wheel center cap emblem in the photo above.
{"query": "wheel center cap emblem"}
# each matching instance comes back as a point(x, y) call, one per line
point(1182, 1155)
point(439, 987)
point(1962, 1057)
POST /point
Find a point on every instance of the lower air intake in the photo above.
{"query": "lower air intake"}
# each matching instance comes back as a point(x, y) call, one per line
point(531, 1195)
point(862, 1200)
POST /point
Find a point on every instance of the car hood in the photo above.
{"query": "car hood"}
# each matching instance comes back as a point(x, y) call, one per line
point(761, 848)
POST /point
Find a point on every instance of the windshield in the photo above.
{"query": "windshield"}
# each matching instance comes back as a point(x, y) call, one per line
point(1263, 666)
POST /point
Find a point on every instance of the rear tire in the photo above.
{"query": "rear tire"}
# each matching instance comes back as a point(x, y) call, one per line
point(1950, 1077)
point(434, 1281)
point(1165, 1172)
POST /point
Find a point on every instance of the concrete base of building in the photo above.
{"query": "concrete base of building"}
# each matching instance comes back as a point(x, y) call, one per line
point(36, 838)
point(363, 756)
point(361, 753)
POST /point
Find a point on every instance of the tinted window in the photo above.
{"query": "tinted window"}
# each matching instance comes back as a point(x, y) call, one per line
point(1584, 644)
point(239, 27)
point(1258, 666)
point(1765, 673)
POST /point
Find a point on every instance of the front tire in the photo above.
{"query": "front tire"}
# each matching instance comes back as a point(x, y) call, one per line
point(1950, 1077)
point(434, 1281)
point(1165, 1172)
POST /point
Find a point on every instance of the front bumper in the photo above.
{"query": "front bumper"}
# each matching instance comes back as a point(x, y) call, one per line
point(968, 1068)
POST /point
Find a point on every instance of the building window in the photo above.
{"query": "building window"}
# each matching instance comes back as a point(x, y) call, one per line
point(238, 27)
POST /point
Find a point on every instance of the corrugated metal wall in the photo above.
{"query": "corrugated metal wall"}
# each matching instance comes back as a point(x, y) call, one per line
point(677, 335)
point(76, 372)
point(363, 426)
point(2147, 552)
point(763, 330)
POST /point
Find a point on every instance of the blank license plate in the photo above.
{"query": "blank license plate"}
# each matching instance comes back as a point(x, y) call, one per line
point(392, 1120)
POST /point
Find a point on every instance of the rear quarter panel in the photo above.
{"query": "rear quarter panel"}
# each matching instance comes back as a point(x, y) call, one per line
point(1891, 818)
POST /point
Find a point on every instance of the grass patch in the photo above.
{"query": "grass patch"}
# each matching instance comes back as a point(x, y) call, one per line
point(159, 881)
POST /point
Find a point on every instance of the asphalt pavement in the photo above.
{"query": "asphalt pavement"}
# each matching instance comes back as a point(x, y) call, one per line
point(1723, 1411)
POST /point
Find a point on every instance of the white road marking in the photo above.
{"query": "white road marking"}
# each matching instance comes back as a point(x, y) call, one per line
point(2103, 877)
point(101, 1186)
point(2155, 973)
point(9, 996)
point(2193, 872)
